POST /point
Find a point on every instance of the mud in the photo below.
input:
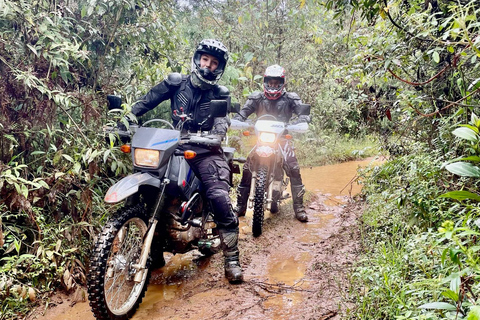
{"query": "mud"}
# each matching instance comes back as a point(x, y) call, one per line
point(293, 270)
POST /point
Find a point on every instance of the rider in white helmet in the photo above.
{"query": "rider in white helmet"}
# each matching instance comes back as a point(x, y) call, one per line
point(275, 101)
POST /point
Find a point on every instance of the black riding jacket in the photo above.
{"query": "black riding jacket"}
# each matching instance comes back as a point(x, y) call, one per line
point(282, 108)
point(185, 98)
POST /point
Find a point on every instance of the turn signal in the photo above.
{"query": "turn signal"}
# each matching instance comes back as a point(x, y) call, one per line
point(246, 133)
point(125, 148)
point(189, 154)
point(288, 136)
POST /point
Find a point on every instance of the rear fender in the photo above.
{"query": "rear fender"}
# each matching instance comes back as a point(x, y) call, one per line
point(129, 185)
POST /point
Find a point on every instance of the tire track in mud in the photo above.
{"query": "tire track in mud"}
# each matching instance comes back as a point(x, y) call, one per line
point(293, 270)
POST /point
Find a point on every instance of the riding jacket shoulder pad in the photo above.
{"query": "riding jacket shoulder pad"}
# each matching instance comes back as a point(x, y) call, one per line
point(221, 91)
point(174, 79)
point(293, 96)
point(255, 95)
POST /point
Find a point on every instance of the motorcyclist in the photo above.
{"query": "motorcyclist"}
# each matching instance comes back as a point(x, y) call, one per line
point(275, 101)
point(191, 95)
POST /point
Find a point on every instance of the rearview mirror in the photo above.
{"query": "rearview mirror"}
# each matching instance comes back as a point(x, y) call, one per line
point(219, 108)
point(114, 102)
point(304, 110)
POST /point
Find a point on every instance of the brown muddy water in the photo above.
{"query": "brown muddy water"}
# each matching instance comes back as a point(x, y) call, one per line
point(186, 280)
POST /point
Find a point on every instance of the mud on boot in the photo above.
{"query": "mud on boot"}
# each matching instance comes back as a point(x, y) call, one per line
point(300, 213)
point(297, 193)
point(229, 238)
point(233, 271)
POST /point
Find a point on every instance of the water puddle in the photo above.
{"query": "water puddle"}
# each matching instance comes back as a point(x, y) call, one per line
point(336, 180)
point(287, 270)
point(282, 306)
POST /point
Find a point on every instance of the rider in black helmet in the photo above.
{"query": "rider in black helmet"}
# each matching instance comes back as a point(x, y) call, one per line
point(191, 94)
point(275, 101)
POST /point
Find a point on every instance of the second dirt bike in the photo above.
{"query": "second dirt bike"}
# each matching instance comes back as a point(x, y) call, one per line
point(267, 157)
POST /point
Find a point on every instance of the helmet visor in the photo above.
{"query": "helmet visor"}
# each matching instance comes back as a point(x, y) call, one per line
point(273, 84)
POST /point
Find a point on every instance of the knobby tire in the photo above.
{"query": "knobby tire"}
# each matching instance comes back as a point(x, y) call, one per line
point(119, 244)
point(259, 201)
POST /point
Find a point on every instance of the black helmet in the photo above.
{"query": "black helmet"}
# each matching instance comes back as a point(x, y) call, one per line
point(278, 73)
point(214, 48)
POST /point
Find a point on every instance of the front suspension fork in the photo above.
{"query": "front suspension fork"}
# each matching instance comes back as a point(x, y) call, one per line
point(147, 243)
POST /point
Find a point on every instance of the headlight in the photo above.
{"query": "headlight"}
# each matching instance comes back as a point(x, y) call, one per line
point(147, 158)
point(267, 137)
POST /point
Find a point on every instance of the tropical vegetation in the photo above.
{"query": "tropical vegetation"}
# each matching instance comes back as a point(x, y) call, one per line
point(393, 76)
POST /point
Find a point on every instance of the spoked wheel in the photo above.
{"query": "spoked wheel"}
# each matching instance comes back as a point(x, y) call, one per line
point(113, 290)
point(259, 201)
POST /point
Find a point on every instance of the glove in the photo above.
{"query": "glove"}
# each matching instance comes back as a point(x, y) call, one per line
point(238, 117)
point(121, 124)
point(302, 118)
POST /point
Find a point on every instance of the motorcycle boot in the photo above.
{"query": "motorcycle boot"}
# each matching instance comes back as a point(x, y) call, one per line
point(275, 201)
point(297, 193)
point(242, 199)
point(233, 271)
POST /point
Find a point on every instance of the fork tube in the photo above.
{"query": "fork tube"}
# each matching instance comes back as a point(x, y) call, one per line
point(145, 252)
point(253, 184)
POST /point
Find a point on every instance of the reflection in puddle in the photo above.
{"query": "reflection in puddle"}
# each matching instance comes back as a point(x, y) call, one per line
point(288, 270)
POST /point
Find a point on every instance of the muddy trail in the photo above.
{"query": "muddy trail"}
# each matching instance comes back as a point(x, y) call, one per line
point(293, 270)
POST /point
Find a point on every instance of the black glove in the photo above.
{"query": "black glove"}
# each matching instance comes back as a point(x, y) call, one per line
point(239, 117)
point(121, 124)
point(301, 118)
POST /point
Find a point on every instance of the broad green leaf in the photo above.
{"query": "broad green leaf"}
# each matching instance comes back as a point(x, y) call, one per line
point(248, 56)
point(475, 129)
point(66, 156)
point(463, 169)
point(466, 133)
point(58, 174)
point(438, 306)
point(474, 313)
point(242, 79)
point(455, 282)
point(450, 294)
point(461, 195)
point(471, 158)
point(474, 85)
point(436, 57)
point(37, 152)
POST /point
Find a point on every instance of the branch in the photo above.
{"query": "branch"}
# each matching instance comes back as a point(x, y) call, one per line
point(444, 108)
point(419, 83)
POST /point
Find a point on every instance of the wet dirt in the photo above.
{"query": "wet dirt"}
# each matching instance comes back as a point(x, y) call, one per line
point(293, 270)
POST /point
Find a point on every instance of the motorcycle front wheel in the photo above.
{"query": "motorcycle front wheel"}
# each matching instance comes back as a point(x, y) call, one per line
point(112, 289)
point(259, 201)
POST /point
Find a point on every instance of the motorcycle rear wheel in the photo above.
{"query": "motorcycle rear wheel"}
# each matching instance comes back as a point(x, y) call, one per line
point(112, 291)
point(259, 201)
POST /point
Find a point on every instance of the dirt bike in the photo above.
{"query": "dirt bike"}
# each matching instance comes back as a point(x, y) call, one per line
point(268, 186)
point(164, 211)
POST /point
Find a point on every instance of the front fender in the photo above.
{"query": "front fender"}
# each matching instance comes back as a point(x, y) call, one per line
point(129, 185)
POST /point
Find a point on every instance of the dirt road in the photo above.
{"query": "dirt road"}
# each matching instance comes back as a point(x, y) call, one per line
point(292, 271)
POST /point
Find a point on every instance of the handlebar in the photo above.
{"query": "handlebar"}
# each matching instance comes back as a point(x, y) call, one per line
point(211, 141)
point(301, 127)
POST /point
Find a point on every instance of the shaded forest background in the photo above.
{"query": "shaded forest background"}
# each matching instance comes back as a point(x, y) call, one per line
point(399, 76)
